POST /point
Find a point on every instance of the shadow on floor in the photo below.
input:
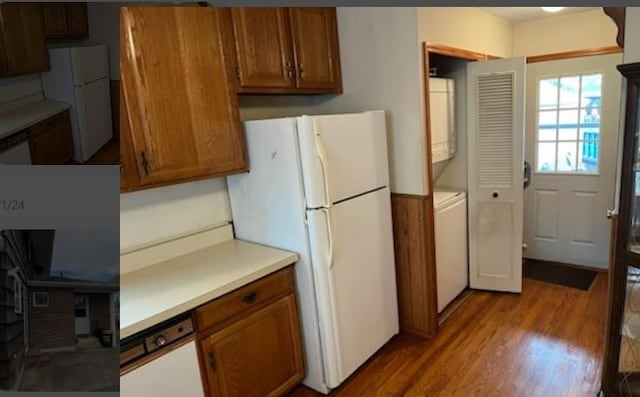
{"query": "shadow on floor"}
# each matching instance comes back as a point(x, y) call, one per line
point(90, 367)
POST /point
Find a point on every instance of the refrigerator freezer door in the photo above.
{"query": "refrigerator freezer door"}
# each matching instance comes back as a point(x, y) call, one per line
point(89, 64)
point(92, 108)
point(356, 291)
point(342, 156)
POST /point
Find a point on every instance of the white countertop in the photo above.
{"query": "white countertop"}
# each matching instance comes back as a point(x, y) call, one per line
point(17, 118)
point(158, 292)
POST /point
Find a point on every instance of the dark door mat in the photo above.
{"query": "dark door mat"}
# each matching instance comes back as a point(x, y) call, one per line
point(558, 274)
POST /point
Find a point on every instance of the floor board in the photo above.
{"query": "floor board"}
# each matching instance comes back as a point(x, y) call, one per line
point(548, 341)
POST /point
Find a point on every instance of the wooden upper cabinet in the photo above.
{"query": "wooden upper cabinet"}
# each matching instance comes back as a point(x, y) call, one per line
point(263, 45)
point(287, 50)
point(65, 20)
point(22, 44)
point(315, 43)
point(179, 93)
point(128, 172)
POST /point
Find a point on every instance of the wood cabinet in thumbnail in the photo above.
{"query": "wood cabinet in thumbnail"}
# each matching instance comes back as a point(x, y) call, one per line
point(179, 93)
point(51, 141)
point(250, 339)
point(65, 20)
point(22, 41)
point(287, 50)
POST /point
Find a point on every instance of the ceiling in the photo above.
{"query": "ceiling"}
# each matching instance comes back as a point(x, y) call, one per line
point(519, 14)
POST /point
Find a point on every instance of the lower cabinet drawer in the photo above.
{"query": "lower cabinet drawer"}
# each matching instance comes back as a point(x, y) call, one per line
point(244, 298)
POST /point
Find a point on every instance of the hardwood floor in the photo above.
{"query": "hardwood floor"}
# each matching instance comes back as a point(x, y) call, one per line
point(546, 342)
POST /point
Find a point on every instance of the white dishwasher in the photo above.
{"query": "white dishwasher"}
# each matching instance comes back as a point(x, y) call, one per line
point(14, 149)
point(452, 269)
point(161, 362)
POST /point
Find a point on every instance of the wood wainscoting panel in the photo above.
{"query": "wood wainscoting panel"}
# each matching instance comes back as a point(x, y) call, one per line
point(415, 263)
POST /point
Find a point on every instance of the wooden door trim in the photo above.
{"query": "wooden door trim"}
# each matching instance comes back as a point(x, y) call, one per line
point(457, 52)
point(574, 54)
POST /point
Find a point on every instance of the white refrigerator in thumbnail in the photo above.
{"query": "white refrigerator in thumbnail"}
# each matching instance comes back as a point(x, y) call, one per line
point(319, 186)
point(79, 76)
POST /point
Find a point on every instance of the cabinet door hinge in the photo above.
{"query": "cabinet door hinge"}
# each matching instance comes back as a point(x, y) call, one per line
point(238, 73)
point(145, 162)
point(212, 361)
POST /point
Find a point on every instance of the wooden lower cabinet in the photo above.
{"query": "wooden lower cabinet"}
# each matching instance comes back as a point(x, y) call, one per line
point(51, 141)
point(257, 352)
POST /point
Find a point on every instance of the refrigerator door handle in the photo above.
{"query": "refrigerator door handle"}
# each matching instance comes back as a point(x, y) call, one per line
point(327, 212)
point(323, 162)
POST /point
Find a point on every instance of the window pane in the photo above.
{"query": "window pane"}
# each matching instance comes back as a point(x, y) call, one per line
point(546, 157)
point(591, 90)
point(548, 118)
point(567, 156)
point(568, 118)
point(567, 134)
point(569, 92)
point(547, 134)
point(588, 157)
point(548, 94)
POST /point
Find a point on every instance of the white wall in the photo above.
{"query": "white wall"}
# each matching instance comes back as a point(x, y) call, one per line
point(154, 215)
point(591, 29)
point(380, 60)
point(631, 34)
point(104, 22)
point(18, 87)
point(467, 28)
point(253, 107)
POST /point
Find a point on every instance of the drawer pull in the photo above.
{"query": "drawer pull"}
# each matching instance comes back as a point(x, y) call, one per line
point(250, 297)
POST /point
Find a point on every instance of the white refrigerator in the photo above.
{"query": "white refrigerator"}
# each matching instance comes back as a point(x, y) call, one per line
point(79, 76)
point(319, 186)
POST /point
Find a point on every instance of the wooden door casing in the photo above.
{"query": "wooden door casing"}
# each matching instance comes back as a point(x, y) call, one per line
point(180, 93)
point(315, 46)
point(263, 46)
point(263, 347)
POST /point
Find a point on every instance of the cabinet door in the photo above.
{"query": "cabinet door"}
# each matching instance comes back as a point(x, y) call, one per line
point(65, 20)
point(50, 141)
point(55, 19)
point(263, 46)
point(128, 172)
point(180, 96)
point(77, 23)
point(259, 355)
point(315, 45)
point(22, 48)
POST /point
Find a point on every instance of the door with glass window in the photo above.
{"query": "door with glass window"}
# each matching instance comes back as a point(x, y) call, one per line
point(81, 309)
point(572, 122)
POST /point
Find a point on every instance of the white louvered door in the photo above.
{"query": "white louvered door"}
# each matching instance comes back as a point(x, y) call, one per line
point(495, 127)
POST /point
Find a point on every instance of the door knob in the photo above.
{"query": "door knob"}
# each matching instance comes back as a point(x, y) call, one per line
point(611, 213)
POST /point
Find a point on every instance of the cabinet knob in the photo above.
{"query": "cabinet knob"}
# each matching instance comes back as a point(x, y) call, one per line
point(250, 297)
point(495, 194)
point(160, 340)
